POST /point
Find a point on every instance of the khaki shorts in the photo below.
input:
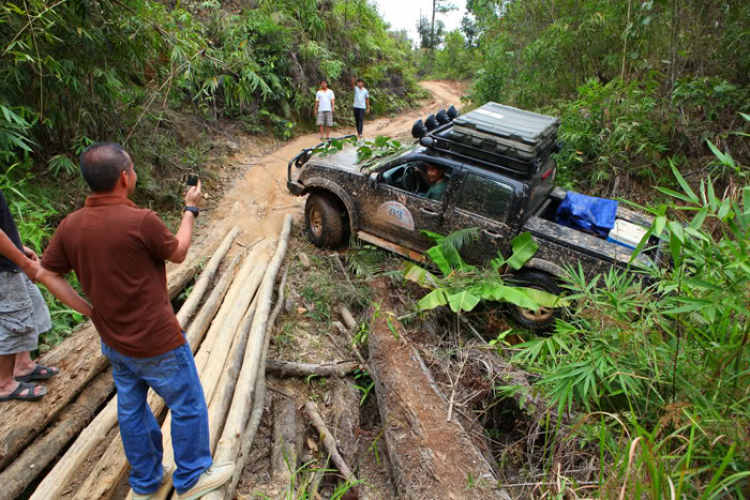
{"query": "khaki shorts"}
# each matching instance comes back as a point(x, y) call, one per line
point(325, 118)
point(23, 314)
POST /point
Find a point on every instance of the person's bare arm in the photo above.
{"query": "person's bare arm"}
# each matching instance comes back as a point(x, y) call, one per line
point(60, 288)
point(368, 104)
point(354, 82)
point(24, 259)
point(333, 103)
point(185, 233)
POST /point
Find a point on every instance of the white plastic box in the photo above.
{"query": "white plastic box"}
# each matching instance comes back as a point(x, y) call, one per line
point(626, 234)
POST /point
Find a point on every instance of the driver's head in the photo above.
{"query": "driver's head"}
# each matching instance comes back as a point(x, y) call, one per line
point(435, 173)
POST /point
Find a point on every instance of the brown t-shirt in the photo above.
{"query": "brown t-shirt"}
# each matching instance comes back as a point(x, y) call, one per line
point(118, 251)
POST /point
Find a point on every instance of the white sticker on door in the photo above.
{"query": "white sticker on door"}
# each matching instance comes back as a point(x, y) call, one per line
point(397, 214)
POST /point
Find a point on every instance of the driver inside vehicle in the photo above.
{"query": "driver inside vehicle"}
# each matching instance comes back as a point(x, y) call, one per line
point(435, 177)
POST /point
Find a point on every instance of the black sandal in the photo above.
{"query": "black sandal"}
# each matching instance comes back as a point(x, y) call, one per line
point(29, 396)
point(37, 375)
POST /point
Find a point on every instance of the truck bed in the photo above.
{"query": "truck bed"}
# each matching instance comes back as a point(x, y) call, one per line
point(564, 240)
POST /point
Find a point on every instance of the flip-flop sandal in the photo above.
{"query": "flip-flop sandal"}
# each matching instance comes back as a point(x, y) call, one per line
point(29, 396)
point(37, 374)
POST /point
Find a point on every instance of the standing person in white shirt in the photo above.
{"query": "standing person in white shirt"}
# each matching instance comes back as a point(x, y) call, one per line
point(361, 103)
point(324, 103)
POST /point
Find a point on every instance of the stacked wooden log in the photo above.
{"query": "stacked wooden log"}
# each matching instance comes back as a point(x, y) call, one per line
point(67, 438)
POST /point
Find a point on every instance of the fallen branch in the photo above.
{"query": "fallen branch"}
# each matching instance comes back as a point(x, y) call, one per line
point(281, 368)
point(328, 441)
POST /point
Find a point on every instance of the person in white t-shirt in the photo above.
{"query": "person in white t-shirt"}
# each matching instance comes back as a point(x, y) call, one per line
point(361, 104)
point(324, 103)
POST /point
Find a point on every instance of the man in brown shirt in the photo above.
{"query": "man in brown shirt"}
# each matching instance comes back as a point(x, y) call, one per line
point(118, 251)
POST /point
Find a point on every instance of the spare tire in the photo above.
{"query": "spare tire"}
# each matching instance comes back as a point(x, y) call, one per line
point(325, 221)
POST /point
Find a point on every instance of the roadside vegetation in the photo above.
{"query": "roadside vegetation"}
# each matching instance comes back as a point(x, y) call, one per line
point(644, 382)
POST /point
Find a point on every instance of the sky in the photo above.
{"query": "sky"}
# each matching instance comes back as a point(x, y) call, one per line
point(404, 14)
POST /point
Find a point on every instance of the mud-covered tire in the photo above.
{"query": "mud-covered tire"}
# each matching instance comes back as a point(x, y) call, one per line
point(325, 221)
point(544, 319)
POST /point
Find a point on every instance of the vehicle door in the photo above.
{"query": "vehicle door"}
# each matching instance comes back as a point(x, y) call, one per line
point(395, 208)
point(484, 202)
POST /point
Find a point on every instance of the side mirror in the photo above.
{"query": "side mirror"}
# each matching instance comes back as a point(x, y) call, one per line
point(372, 181)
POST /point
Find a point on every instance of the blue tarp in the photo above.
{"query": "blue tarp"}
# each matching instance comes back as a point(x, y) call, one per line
point(587, 213)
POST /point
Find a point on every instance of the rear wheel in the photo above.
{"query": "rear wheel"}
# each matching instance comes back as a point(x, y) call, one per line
point(544, 318)
point(325, 221)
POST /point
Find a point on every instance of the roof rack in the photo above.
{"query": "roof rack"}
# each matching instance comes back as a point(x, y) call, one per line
point(437, 141)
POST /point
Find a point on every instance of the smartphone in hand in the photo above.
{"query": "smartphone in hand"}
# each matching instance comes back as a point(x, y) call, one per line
point(192, 180)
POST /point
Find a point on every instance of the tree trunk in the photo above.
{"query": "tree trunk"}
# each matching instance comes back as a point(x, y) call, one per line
point(80, 359)
point(429, 457)
point(281, 368)
point(35, 458)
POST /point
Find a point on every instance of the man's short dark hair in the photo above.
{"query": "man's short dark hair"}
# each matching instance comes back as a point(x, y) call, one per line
point(360, 80)
point(101, 165)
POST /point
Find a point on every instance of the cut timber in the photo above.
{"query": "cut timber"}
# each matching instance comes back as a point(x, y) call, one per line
point(80, 359)
point(211, 360)
point(178, 276)
point(282, 368)
point(58, 478)
point(346, 419)
point(35, 458)
point(259, 400)
point(430, 458)
point(229, 445)
point(328, 441)
point(219, 405)
point(286, 445)
point(189, 307)
point(113, 466)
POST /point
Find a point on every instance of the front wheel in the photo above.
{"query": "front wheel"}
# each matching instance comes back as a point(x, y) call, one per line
point(544, 318)
point(325, 221)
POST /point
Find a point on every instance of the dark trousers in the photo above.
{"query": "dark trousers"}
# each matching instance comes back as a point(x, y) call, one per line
point(359, 118)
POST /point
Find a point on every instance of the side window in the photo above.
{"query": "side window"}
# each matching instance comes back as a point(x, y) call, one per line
point(485, 196)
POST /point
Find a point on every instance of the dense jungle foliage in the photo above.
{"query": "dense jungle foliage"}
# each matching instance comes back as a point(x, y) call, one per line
point(78, 71)
point(652, 376)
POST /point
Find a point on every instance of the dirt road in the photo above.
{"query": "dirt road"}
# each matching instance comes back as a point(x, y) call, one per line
point(258, 201)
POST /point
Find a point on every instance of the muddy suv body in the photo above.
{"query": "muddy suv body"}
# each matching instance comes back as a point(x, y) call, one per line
point(381, 205)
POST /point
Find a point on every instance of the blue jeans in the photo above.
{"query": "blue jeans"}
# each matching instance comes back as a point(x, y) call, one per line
point(172, 376)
